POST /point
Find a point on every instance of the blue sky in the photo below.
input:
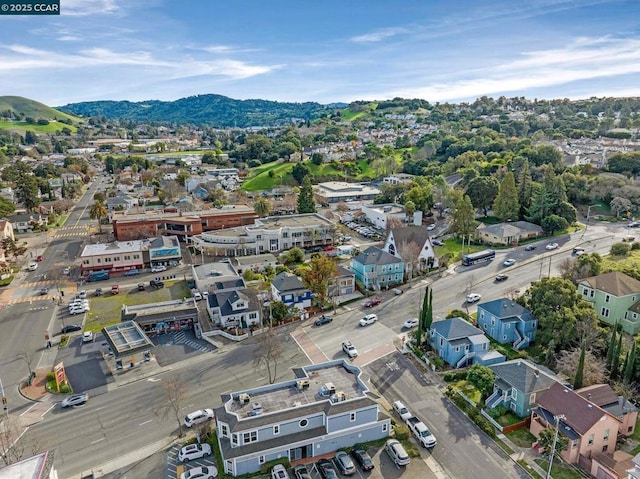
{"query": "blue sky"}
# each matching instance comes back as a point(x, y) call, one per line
point(324, 51)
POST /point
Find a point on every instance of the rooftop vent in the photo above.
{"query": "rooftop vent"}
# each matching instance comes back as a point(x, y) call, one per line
point(256, 409)
point(244, 398)
point(302, 384)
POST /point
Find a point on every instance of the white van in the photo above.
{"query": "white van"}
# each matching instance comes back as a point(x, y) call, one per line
point(402, 411)
point(397, 452)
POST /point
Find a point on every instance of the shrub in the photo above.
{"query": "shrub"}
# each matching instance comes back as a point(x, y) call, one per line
point(635, 246)
point(401, 432)
point(619, 249)
point(455, 376)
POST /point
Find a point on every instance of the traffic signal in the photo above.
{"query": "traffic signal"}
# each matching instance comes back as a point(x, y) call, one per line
point(62, 293)
point(4, 400)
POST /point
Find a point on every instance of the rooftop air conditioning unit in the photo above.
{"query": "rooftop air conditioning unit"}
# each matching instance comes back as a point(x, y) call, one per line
point(302, 384)
point(244, 398)
point(256, 409)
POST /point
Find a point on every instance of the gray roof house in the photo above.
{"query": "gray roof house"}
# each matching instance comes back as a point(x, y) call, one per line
point(412, 245)
point(517, 384)
point(508, 233)
point(377, 269)
point(289, 289)
point(234, 308)
point(507, 322)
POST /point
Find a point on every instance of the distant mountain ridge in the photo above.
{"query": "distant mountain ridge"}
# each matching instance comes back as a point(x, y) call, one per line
point(214, 110)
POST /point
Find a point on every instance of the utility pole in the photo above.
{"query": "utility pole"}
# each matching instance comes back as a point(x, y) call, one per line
point(558, 418)
point(4, 400)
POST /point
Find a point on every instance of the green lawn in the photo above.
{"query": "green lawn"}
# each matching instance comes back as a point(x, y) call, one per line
point(521, 437)
point(558, 471)
point(468, 390)
point(105, 310)
point(52, 127)
point(453, 247)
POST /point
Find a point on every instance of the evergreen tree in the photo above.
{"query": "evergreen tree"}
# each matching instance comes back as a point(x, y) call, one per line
point(525, 188)
point(615, 365)
point(464, 217)
point(551, 199)
point(27, 191)
point(422, 317)
point(428, 320)
point(577, 381)
point(506, 206)
point(630, 365)
point(611, 348)
point(306, 203)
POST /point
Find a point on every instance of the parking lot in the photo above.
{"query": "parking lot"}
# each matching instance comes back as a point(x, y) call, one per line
point(175, 468)
point(173, 347)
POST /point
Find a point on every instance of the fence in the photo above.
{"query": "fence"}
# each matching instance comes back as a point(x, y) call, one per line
point(505, 429)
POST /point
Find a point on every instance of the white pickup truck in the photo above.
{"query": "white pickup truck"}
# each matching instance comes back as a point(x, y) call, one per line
point(422, 433)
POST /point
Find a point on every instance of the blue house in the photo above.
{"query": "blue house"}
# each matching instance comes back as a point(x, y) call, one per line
point(459, 343)
point(288, 288)
point(377, 269)
point(507, 322)
point(517, 385)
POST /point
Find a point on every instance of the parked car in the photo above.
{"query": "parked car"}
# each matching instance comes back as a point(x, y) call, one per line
point(551, 246)
point(158, 269)
point(196, 295)
point(141, 287)
point(87, 337)
point(115, 289)
point(66, 271)
point(501, 277)
point(372, 302)
point(201, 472)
point(194, 451)
point(410, 323)
point(69, 328)
point(78, 310)
point(279, 472)
point(436, 242)
point(98, 292)
point(349, 349)
point(345, 464)
point(431, 227)
point(323, 320)
point(132, 272)
point(33, 266)
point(197, 417)
point(326, 469)
point(82, 294)
point(363, 459)
point(473, 297)
point(78, 399)
point(301, 472)
point(530, 247)
point(401, 410)
point(578, 251)
point(156, 284)
point(397, 453)
point(509, 262)
point(397, 291)
point(368, 319)
point(40, 258)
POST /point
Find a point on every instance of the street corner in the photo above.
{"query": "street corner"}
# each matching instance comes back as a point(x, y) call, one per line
point(35, 413)
point(37, 390)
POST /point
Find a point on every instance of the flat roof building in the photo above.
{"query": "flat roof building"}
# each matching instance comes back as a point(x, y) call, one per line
point(334, 191)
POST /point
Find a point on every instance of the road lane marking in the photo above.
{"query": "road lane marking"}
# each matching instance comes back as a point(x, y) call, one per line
point(146, 422)
point(97, 440)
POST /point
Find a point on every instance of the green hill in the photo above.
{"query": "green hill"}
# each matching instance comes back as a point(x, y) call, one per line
point(26, 108)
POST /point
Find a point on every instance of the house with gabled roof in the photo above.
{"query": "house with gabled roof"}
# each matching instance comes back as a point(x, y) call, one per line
point(413, 246)
point(588, 428)
point(460, 343)
point(377, 269)
point(231, 308)
point(289, 289)
point(508, 233)
point(603, 396)
point(615, 297)
point(507, 322)
point(517, 385)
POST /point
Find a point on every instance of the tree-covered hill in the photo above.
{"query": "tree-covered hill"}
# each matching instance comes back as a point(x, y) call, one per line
point(214, 110)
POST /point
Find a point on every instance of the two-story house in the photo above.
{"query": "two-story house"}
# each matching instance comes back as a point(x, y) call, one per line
point(459, 343)
point(615, 297)
point(288, 288)
point(325, 407)
point(588, 428)
point(507, 322)
point(377, 269)
point(603, 396)
point(6, 230)
point(412, 245)
point(517, 385)
point(343, 283)
point(231, 308)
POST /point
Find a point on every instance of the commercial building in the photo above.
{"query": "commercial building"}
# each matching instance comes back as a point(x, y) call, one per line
point(181, 224)
point(323, 408)
point(335, 191)
point(121, 256)
point(162, 317)
point(268, 235)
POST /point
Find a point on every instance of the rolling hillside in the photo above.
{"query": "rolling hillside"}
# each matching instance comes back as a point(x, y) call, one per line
point(33, 109)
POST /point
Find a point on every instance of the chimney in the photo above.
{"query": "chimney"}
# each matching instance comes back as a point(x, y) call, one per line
point(536, 373)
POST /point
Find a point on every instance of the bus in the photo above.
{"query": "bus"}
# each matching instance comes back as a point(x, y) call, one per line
point(479, 257)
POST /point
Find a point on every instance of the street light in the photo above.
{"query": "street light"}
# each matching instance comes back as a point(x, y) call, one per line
point(557, 418)
point(589, 212)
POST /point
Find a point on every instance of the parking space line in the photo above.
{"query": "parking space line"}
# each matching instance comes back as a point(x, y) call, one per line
point(146, 422)
point(97, 440)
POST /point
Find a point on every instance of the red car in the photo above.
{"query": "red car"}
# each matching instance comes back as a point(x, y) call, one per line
point(40, 258)
point(372, 302)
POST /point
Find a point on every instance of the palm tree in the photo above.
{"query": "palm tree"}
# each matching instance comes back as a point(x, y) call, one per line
point(262, 207)
point(97, 212)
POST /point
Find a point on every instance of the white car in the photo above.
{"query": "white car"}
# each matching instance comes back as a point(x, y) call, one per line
point(78, 310)
point(33, 266)
point(202, 472)
point(368, 319)
point(194, 451)
point(349, 349)
point(66, 271)
point(87, 337)
point(196, 295)
point(158, 269)
point(78, 399)
point(197, 417)
point(509, 262)
point(551, 246)
point(431, 227)
point(82, 294)
point(279, 472)
point(473, 297)
point(410, 323)
point(401, 409)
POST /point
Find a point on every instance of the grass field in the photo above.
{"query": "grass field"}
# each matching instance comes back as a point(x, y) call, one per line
point(32, 108)
point(521, 437)
point(52, 127)
point(105, 310)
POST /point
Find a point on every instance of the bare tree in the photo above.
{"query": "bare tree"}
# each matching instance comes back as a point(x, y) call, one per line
point(411, 257)
point(595, 371)
point(170, 191)
point(11, 447)
point(28, 357)
point(268, 353)
point(175, 394)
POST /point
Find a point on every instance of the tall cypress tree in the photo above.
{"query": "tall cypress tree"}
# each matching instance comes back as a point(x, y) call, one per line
point(428, 320)
point(615, 365)
point(630, 366)
point(578, 380)
point(422, 316)
point(306, 203)
point(611, 348)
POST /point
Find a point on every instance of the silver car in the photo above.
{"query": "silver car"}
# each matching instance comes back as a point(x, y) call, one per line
point(75, 400)
point(194, 451)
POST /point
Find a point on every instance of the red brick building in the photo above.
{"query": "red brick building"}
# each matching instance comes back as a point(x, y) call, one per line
point(128, 227)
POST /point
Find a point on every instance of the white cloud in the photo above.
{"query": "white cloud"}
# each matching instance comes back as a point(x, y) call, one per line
point(83, 8)
point(379, 35)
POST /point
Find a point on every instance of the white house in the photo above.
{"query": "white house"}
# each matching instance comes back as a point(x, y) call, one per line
point(413, 246)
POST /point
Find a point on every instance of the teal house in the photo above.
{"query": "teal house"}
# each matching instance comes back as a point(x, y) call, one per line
point(507, 322)
point(615, 297)
point(377, 269)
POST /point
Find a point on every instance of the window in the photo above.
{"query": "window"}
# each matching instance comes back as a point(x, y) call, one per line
point(285, 234)
point(384, 427)
point(249, 437)
point(493, 321)
point(514, 393)
point(457, 349)
point(86, 261)
point(607, 298)
point(605, 447)
point(590, 440)
point(352, 417)
point(592, 293)
point(504, 337)
point(604, 312)
point(574, 443)
point(234, 438)
point(258, 237)
point(98, 260)
point(224, 430)
point(276, 429)
point(261, 459)
point(127, 257)
point(441, 341)
point(605, 436)
point(136, 256)
point(481, 314)
point(303, 423)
